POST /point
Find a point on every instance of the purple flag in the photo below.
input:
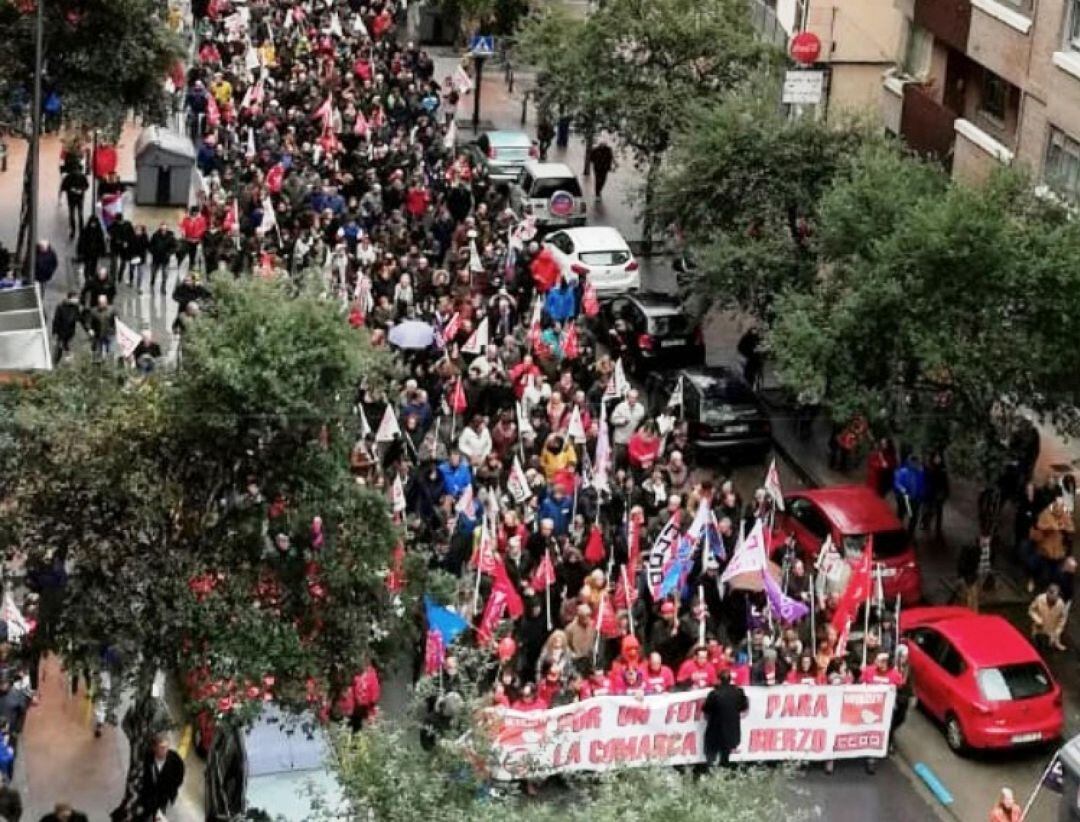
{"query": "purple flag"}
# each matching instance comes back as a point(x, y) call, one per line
point(787, 610)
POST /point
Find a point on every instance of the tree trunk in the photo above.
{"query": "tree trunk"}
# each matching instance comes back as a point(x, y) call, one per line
point(647, 227)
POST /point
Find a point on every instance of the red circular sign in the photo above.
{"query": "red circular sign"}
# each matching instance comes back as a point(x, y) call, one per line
point(561, 204)
point(805, 47)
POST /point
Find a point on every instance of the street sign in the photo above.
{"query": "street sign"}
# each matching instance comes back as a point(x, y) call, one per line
point(803, 88)
point(805, 48)
point(482, 45)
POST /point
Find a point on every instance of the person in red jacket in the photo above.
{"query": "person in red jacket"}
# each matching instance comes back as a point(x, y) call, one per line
point(600, 684)
point(697, 671)
point(629, 658)
point(360, 701)
point(880, 673)
point(805, 671)
point(528, 701)
point(550, 685)
point(629, 681)
point(192, 230)
point(658, 676)
point(644, 447)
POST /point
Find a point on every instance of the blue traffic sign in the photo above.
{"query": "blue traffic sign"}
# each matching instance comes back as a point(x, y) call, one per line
point(482, 45)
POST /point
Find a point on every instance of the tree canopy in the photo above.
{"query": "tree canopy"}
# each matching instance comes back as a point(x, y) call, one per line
point(208, 514)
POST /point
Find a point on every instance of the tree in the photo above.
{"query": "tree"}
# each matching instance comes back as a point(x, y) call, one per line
point(743, 185)
point(941, 311)
point(105, 58)
point(647, 65)
point(209, 514)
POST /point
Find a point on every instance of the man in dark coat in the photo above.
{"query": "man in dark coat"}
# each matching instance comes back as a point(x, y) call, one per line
point(163, 774)
point(723, 711)
point(602, 159)
point(65, 323)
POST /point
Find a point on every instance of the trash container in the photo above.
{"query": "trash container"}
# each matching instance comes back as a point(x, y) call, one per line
point(164, 163)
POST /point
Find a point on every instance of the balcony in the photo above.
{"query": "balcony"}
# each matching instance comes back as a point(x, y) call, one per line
point(948, 20)
point(927, 126)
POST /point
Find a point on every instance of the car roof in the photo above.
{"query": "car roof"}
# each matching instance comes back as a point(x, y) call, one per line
point(509, 138)
point(707, 377)
point(985, 640)
point(853, 509)
point(538, 169)
point(596, 238)
point(655, 304)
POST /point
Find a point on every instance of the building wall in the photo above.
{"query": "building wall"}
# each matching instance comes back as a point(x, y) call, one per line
point(862, 31)
point(999, 47)
point(1053, 92)
point(971, 164)
point(855, 89)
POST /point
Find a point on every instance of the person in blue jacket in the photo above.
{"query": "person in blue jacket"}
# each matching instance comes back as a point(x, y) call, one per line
point(909, 485)
point(558, 507)
point(456, 473)
point(561, 302)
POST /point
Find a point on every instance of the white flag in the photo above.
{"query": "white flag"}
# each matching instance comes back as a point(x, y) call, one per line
point(749, 556)
point(701, 521)
point(576, 429)
point(397, 495)
point(676, 398)
point(358, 26)
point(602, 462)
point(365, 426)
point(126, 339)
point(476, 265)
point(618, 385)
point(517, 483)
point(388, 428)
point(335, 25)
point(451, 136)
point(772, 486)
point(524, 426)
point(465, 502)
point(269, 217)
point(664, 424)
point(478, 340)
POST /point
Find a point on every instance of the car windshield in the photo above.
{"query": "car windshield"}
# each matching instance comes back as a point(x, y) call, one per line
point(887, 544)
point(543, 189)
point(1024, 680)
point(671, 326)
point(605, 257)
point(511, 152)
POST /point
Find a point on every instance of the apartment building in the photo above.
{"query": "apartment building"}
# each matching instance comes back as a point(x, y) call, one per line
point(859, 42)
point(981, 83)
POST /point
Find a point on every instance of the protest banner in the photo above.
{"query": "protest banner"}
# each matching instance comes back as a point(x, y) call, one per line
point(785, 722)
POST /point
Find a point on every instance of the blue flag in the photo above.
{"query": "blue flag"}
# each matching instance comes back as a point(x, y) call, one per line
point(676, 573)
point(716, 542)
point(443, 621)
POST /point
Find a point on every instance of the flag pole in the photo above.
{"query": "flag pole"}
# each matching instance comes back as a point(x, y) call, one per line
point(866, 619)
point(599, 623)
point(435, 438)
point(896, 644)
point(547, 588)
point(479, 564)
point(813, 620)
point(701, 627)
point(629, 602)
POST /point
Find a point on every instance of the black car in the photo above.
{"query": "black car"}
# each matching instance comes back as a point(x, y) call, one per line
point(649, 330)
point(724, 416)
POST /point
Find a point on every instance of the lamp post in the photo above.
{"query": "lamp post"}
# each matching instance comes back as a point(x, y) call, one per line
point(33, 155)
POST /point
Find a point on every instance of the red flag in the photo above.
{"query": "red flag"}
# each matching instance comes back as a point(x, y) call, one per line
point(609, 624)
point(458, 403)
point(544, 575)
point(213, 114)
point(274, 178)
point(395, 580)
point(434, 653)
point(545, 270)
point(594, 547)
point(858, 587)
point(625, 596)
point(453, 326)
point(590, 305)
point(570, 346)
point(504, 599)
point(485, 557)
point(634, 546)
point(231, 221)
point(514, 604)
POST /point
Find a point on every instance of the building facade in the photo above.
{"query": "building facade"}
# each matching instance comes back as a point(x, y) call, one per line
point(983, 83)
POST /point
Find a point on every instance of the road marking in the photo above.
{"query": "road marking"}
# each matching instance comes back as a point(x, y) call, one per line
point(936, 786)
point(185, 742)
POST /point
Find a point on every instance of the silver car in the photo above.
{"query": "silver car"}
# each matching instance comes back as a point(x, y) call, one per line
point(502, 154)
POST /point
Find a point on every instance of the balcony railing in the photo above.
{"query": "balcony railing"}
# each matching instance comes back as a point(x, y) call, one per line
point(948, 20)
point(927, 125)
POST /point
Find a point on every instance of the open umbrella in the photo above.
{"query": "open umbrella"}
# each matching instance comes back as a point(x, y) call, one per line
point(412, 334)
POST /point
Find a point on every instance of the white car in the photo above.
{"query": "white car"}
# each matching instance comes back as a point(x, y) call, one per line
point(599, 254)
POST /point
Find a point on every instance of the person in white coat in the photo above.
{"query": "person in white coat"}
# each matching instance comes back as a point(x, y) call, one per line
point(475, 441)
point(625, 420)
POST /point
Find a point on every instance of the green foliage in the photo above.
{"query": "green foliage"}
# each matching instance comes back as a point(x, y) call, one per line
point(185, 503)
point(943, 314)
point(743, 184)
point(104, 57)
point(641, 67)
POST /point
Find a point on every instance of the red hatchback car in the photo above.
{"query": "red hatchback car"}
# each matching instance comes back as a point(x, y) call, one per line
point(981, 678)
point(850, 514)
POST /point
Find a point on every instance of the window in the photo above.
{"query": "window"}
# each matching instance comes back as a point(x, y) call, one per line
point(1022, 681)
point(1061, 172)
point(887, 544)
point(562, 242)
point(917, 51)
point(950, 659)
point(1072, 29)
point(995, 94)
point(808, 516)
point(928, 641)
point(605, 257)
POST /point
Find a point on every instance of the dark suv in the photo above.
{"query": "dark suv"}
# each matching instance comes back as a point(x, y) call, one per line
point(648, 331)
point(723, 415)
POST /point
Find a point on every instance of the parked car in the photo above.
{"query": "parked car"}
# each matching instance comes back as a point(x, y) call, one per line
point(502, 154)
point(280, 765)
point(852, 514)
point(551, 193)
point(649, 331)
point(981, 678)
point(599, 254)
point(723, 415)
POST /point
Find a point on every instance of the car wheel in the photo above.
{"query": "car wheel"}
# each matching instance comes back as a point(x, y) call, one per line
point(954, 734)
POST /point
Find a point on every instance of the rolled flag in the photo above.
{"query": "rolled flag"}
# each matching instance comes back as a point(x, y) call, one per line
point(594, 546)
point(576, 430)
point(397, 495)
point(478, 340)
point(787, 610)
point(772, 486)
point(249, 150)
point(444, 626)
point(476, 265)
point(544, 575)
point(676, 398)
point(458, 402)
point(571, 348)
point(361, 127)
point(517, 483)
point(395, 579)
point(524, 426)
point(127, 340)
point(388, 427)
